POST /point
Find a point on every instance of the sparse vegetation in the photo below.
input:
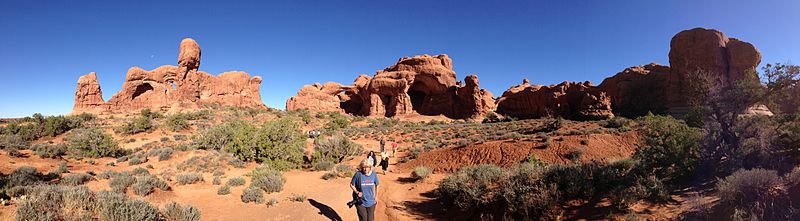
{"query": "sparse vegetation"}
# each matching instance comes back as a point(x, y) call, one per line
point(188, 178)
point(93, 143)
point(267, 179)
point(224, 190)
point(420, 173)
point(176, 212)
point(236, 181)
point(253, 194)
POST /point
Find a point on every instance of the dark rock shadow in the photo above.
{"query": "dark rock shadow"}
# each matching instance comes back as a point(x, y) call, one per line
point(325, 210)
point(406, 180)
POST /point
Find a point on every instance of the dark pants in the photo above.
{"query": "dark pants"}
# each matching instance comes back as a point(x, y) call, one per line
point(365, 213)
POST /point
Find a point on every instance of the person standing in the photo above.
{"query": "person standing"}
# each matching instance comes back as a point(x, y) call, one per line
point(383, 143)
point(365, 186)
point(384, 161)
point(373, 160)
point(394, 149)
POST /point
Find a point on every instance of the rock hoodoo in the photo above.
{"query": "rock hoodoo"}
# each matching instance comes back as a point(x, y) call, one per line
point(171, 88)
point(421, 84)
point(568, 100)
point(707, 50)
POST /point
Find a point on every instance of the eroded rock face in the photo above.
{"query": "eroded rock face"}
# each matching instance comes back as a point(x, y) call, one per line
point(421, 84)
point(568, 100)
point(707, 50)
point(88, 96)
point(638, 90)
point(171, 88)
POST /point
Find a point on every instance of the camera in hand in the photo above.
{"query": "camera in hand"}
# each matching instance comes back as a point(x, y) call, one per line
point(355, 201)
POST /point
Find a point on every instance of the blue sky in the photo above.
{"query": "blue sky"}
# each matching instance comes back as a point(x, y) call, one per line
point(46, 45)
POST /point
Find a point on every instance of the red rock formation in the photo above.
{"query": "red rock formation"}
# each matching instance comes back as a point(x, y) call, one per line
point(638, 90)
point(171, 88)
point(707, 50)
point(88, 96)
point(568, 99)
point(317, 97)
point(422, 84)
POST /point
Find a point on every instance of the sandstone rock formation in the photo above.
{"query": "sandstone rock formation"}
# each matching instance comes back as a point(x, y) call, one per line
point(638, 90)
point(421, 84)
point(171, 88)
point(707, 50)
point(568, 100)
point(88, 96)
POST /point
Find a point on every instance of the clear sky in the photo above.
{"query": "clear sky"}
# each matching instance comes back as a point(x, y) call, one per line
point(46, 45)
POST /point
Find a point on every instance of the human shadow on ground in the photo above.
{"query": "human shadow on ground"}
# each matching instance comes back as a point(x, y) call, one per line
point(325, 210)
point(429, 209)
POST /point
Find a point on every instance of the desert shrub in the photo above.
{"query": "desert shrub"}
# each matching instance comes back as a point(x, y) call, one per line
point(218, 173)
point(323, 165)
point(162, 153)
point(620, 123)
point(121, 182)
point(335, 149)
point(236, 181)
point(93, 143)
point(108, 174)
point(298, 197)
point(139, 171)
point(25, 176)
point(236, 162)
point(134, 161)
point(75, 179)
point(206, 164)
point(13, 142)
point(116, 206)
point(146, 184)
point(467, 188)
point(279, 143)
point(533, 159)
point(253, 194)
point(330, 175)
point(272, 202)
point(217, 180)
point(421, 172)
point(49, 150)
point(175, 212)
point(671, 148)
point(267, 179)
point(52, 202)
point(491, 117)
point(345, 170)
point(188, 178)
point(337, 122)
point(137, 125)
point(526, 195)
point(224, 190)
point(755, 193)
point(177, 122)
point(574, 155)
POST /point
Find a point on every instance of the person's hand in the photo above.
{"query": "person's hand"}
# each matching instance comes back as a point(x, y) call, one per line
point(360, 194)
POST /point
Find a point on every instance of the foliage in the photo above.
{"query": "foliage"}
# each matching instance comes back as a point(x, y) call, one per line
point(116, 206)
point(175, 212)
point(236, 181)
point(93, 143)
point(177, 122)
point(137, 125)
point(224, 190)
point(267, 179)
point(323, 165)
point(253, 194)
point(421, 172)
point(278, 143)
point(757, 193)
point(146, 184)
point(188, 178)
point(335, 149)
point(671, 148)
point(75, 179)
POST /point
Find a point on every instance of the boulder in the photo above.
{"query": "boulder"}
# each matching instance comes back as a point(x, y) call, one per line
point(580, 101)
point(638, 90)
point(172, 88)
point(706, 50)
point(421, 84)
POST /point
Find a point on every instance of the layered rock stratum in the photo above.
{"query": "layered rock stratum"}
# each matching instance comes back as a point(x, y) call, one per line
point(171, 88)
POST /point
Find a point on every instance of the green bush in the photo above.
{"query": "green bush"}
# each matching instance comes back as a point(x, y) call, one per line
point(121, 182)
point(330, 175)
point(323, 165)
point(135, 161)
point(176, 212)
point(13, 142)
point(267, 179)
point(224, 190)
point(236, 181)
point(188, 178)
point(162, 153)
point(75, 179)
point(756, 193)
point(345, 170)
point(671, 148)
point(52, 202)
point(253, 194)
point(146, 184)
point(137, 125)
point(335, 149)
point(115, 206)
point(177, 122)
point(467, 189)
point(25, 176)
point(298, 197)
point(93, 143)
point(337, 122)
point(279, 143)
point(49, 150)
point(421, 172)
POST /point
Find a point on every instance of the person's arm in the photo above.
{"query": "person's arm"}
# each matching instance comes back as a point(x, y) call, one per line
point(376, 188)
point(353, 185)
